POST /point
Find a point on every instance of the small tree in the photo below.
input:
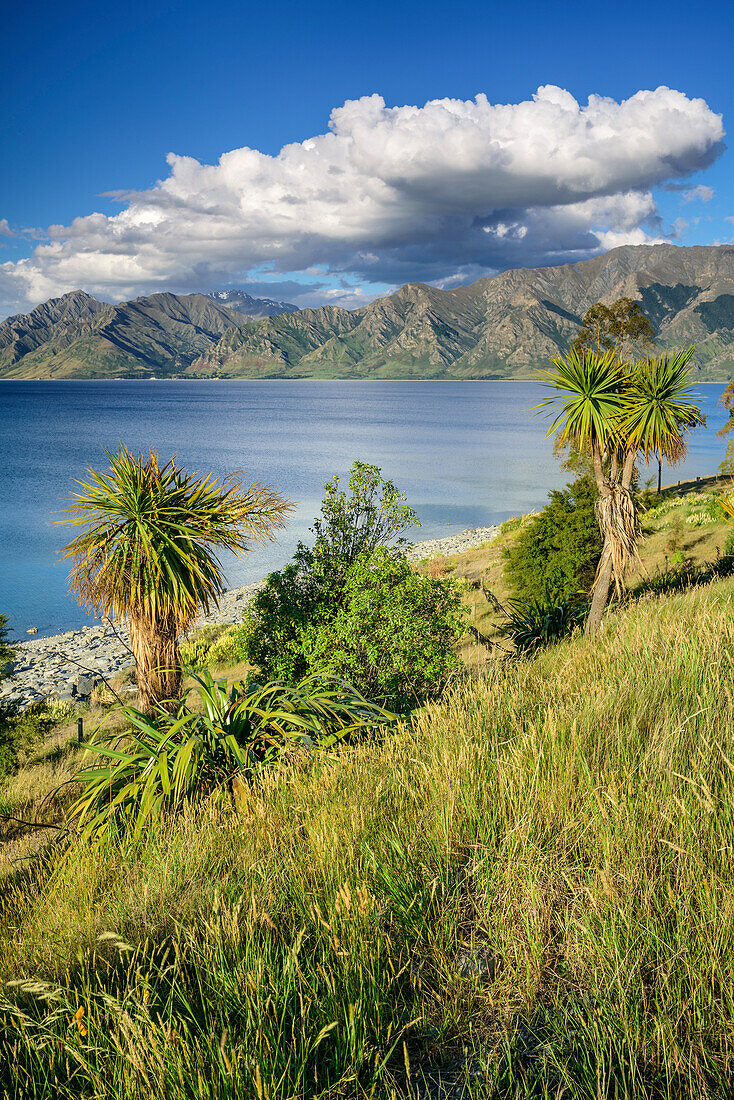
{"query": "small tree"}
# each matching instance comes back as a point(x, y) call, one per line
point(558, 550)
point(147, 552)
point(351, 605)
point(372, 515)
point(609, 409)
point(311, 588)
point(394, 635)
point(622, 328)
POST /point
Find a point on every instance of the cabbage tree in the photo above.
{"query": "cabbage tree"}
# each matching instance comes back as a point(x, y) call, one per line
point(147, 552)
point(615, 412)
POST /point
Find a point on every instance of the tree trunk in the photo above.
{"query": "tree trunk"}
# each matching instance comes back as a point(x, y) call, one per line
point(600, 596)
point(157, 663)
point(604, 577)
point(628, 469)
point(660, 476)
point(600, 593)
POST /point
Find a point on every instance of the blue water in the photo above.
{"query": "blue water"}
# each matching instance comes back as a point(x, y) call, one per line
point(468, 454)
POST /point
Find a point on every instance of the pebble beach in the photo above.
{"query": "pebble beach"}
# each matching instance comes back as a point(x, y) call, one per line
point(62, 667)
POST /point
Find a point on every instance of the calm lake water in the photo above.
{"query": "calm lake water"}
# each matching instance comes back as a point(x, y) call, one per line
point(468, 454)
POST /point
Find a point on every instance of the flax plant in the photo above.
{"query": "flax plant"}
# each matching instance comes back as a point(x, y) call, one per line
point(147, 553)
point(168, 762)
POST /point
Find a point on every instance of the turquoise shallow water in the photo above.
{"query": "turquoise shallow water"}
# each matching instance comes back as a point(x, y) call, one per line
point(468, 454)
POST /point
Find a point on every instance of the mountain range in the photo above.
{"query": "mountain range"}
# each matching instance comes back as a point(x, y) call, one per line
point(77, 336)
point(504, 326)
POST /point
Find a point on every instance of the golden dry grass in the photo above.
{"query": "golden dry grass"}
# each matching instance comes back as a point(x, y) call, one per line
point(531, 887)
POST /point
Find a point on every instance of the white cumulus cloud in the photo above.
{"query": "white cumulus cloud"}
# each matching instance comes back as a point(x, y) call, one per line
point(449, 190)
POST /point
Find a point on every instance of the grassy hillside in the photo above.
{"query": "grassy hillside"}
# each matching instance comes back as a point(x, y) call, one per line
point(679, 529)
point(527, 892)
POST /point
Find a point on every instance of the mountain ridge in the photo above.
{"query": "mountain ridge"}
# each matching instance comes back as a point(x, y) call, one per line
point(501, 326)
point(498, 327)
point(77, 336)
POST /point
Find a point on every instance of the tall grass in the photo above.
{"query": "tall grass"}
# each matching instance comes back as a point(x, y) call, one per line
point(530, 892)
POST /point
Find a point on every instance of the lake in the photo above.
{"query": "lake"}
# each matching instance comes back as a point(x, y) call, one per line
point(467, 453)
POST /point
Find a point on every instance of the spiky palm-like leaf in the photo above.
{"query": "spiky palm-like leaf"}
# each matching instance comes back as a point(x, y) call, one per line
point(531, 624)
point(148, 551)
point(150, 533)
point(657, 407)
point(168, 760)
point(589, 400)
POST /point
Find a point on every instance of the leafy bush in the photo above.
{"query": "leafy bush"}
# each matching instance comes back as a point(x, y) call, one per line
point(352, 605)
point(228, 647)
point(21, 733)
point(282, 612)
point(372, 515)
point(311, 588)
point(394, 633)
point(532, 624)
point(213, 646)
point(195, 652)
point(176, 758)
point(557, 550)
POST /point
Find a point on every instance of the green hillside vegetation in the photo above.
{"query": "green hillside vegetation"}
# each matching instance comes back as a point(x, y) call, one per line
point(79, 337)
point(526, 888)
point(683, 533)
point(521, 887)
point(499, 327)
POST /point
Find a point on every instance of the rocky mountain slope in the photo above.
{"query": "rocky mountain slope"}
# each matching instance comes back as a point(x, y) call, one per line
point(242, 302)
point(62, 320)
point(499, 327)
point(77, 336)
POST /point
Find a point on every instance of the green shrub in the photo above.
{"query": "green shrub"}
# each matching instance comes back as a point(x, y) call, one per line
point(229, 647)
point(281, 613)
point(176, 758)
point(195, 653)
point(532, 624)
point(6, 651)
point(21, 733)
point(351, 605)
point(394, 634)
point(213, 646)
point(301, 599)
point(557, 550)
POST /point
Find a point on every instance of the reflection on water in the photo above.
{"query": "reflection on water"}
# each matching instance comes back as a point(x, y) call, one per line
point(468, 454)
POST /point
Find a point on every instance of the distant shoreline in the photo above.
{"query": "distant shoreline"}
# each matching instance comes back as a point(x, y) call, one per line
point(260, 381)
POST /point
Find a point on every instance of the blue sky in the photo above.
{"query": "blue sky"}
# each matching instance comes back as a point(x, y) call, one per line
point(94, 99)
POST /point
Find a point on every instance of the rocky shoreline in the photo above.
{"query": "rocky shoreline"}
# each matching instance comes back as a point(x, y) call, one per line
point(66, 666)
